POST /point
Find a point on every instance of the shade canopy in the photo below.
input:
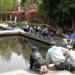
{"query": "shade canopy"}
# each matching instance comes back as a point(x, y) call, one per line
point(34, 10)
point(16, 12)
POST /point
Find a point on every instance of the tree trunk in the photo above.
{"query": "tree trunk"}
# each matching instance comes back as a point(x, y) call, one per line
point(15, 18)
point(73, 23)
point(10, 17)
point(6, 16)
point(1, 17)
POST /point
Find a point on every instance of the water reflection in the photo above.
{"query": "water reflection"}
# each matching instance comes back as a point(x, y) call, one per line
point(15, 52)
point(27, 43)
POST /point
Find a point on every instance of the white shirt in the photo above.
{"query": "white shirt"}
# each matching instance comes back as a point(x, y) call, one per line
point(27, 26)
point(55, 54)
point(71, 57)
point(39, 28)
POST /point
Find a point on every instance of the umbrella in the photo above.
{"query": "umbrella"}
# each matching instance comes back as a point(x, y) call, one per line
point(34, 10)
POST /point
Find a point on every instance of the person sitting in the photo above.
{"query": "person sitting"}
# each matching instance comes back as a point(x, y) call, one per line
point(66, 42)
point(62, 58)
point(37, 62)
point(72, 37)
point(45, 32)
point(71, 60)
point(56, 55)
point(13, 24)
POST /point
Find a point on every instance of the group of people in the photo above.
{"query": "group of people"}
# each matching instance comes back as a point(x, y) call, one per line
point(69, 40)
point(63, 58)
point(37, 30)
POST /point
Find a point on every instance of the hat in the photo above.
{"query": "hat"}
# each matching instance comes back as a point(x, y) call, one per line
point(34, 48)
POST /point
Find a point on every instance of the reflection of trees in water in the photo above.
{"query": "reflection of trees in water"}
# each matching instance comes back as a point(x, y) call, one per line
point(7, 46)
point(5, 54)
point(26, 46)
point(24, 42)
point(26, 53)
point(5, 49)
point(43, 51)
point(19, 45)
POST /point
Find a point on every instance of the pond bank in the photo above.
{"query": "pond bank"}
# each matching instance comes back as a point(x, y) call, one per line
point(19, 31)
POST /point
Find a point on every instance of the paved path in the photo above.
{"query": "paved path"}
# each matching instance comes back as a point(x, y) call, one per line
point(22, 72)
point(18, 72)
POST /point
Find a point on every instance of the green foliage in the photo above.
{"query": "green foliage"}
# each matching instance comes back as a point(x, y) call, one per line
point(60, 10)
point(29, 4)
point(5, 5)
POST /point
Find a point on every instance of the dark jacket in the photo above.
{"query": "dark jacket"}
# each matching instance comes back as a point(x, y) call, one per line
point(36, 60)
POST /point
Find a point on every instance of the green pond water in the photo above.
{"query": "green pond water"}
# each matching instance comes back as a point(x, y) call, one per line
point(15, 52)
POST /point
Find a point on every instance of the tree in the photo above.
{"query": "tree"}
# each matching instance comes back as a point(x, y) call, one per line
point(29, 4)
point(5, 5)
point(60, 11)
point(49, 8)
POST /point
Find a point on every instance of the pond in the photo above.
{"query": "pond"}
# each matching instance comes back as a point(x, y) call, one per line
point(15, 52)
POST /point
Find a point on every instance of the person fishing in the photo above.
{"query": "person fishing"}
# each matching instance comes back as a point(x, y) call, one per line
point(36, 61)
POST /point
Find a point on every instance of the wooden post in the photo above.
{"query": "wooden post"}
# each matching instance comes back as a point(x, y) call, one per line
point(10, 17)
point(15, 18)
